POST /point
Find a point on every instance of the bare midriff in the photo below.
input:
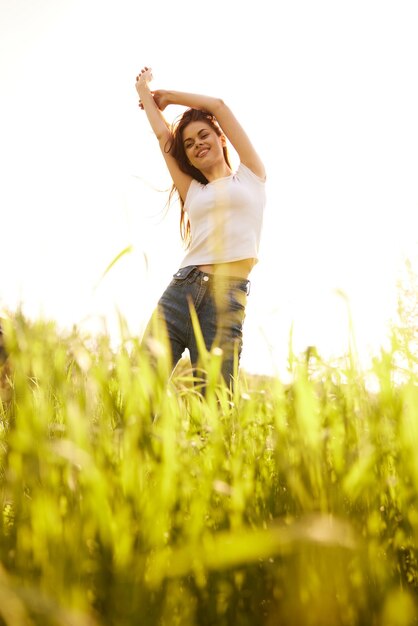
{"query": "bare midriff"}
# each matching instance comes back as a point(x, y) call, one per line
point(240, 269)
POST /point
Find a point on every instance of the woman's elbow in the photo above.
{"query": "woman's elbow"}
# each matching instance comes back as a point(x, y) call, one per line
point(218, 106)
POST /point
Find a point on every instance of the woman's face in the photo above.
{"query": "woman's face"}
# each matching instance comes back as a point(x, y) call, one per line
point(202, 145)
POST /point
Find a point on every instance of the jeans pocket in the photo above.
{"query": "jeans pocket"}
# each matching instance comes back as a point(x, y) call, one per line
point(238, 298)
point(233, 293)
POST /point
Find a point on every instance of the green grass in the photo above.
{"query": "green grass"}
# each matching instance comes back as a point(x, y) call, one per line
point(128, 501)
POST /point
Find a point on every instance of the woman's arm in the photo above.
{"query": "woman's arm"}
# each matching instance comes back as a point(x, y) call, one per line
point(226, 119)
point(153, 105)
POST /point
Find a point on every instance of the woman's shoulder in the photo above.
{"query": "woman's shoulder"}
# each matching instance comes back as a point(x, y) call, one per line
point(245, 172)
point(194, 188)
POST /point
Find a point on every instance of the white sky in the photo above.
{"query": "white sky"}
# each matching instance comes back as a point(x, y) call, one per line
point(327, 91)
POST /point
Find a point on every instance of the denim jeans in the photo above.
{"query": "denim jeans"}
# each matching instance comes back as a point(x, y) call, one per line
point(219, 302)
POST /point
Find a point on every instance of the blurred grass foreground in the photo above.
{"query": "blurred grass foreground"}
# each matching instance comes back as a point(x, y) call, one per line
point(126, 501)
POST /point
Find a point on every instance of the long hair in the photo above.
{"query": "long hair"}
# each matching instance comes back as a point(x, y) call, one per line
point(177, 150)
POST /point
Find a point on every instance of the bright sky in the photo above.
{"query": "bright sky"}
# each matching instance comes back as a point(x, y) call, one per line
point(327, 90)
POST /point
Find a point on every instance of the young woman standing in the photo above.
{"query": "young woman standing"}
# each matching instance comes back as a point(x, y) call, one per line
point(220, 222)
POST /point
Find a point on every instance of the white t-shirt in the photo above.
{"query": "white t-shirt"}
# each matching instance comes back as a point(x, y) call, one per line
point(226, 217)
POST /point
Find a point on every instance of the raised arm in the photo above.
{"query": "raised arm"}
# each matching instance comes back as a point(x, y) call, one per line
point(153, 105)
point(155, 117)
point(226, 119)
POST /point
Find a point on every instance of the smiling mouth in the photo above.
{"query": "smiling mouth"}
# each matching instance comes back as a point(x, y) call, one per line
point(202, 153)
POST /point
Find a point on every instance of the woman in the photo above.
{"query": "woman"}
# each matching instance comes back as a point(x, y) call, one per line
point(221, 219)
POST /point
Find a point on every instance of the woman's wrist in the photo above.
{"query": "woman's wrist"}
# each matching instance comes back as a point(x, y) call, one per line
point(142, 88)
point(168, 95)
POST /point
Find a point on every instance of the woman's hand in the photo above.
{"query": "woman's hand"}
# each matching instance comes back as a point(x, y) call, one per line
point(142, 80)
point(161, 98)
point(144, 77)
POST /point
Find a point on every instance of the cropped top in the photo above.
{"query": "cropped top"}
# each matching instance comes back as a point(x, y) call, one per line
point(226, 217)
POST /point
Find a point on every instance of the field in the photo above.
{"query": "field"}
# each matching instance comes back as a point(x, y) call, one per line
point(126, 501)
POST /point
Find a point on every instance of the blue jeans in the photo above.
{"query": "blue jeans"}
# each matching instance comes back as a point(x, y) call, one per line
point(219, 302)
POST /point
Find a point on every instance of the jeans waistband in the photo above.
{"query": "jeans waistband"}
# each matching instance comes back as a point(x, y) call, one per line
point(193, 272)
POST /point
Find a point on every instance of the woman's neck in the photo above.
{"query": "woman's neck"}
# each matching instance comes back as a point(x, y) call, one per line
point(217, 171)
